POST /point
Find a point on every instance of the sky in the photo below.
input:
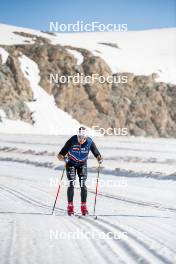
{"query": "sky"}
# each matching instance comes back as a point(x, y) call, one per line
point(138, 14)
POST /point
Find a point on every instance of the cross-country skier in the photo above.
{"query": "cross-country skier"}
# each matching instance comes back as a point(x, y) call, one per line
point(75, 153)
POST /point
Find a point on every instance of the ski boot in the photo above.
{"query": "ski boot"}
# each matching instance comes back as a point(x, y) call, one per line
point(70, 208)
point(84, 210)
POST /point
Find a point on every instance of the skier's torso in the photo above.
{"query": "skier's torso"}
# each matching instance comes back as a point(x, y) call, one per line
point(78, 153)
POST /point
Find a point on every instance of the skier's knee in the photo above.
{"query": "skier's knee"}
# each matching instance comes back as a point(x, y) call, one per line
point(82, 182)
point(84, 188)
point(71, 183)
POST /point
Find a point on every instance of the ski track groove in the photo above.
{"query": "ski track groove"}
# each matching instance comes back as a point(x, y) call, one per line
point(105, 257)
point(25, 198)
point(120, 198)
point(108, 245)
point(29, 200)
point(36, 203)
point(164, 229)
point(33, 202)
point(131, 201)
point(156, 228)
point(134, 255)
point(160, 242)
point(12, 242)
point(124, 245)
point(139, 240)
point(7, 248)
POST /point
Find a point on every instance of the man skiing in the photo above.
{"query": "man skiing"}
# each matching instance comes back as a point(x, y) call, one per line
point(75, 153)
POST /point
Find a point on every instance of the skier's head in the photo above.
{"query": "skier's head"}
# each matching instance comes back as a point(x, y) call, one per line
point(82, 135)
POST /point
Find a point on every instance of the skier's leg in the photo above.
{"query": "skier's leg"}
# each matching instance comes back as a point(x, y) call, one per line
point(71, 175)
point(82, 174)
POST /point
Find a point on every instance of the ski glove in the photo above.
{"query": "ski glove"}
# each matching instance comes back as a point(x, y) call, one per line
point(66, 160)
point(100, 159)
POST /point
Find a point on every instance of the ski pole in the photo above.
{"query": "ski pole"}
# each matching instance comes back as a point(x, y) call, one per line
point(96, 192)
point(58, 188)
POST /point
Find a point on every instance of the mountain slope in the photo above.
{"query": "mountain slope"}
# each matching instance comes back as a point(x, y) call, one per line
point(145, 105)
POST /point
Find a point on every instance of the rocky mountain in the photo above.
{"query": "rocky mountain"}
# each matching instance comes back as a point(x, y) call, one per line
point(145, 106)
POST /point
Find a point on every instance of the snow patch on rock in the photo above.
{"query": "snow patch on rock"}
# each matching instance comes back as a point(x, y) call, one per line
point(48, 118)
point(2, 114)
point(4, 55)
point(77, 55)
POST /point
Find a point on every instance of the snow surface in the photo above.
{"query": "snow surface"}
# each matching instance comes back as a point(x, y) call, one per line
point(139, 209)
point(139, 52)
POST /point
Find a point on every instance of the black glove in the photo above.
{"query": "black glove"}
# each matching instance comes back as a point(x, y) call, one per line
point(100, 159)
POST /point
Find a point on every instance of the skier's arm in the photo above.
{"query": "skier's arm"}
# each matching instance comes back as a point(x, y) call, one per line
point(95, 152)
point(65, 149)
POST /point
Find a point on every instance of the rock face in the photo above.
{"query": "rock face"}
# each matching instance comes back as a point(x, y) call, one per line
point(14, 90)
point(142, 105)
point(146, 107)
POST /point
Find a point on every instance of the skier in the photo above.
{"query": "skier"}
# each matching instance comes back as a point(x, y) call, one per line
point(75, 153)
